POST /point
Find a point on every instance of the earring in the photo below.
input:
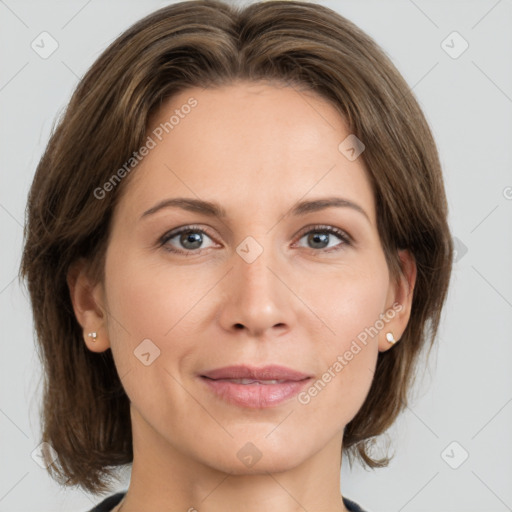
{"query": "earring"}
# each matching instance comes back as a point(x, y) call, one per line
point(390, 338)
point(93, 335)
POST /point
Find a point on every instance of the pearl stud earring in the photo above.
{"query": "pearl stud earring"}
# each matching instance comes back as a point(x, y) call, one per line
point(93, 335)
point(390, 337)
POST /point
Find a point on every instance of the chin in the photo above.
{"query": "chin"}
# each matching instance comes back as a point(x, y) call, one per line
point(258, 457)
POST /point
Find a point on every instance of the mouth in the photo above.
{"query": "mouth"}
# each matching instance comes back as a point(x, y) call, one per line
point(269, 373)
point(251, 381)
point(254, 393)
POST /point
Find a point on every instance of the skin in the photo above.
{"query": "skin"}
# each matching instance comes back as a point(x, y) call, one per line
point(256, 149)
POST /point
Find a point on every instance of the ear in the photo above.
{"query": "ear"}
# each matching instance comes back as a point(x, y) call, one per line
point(87, 298)
point(399, 301)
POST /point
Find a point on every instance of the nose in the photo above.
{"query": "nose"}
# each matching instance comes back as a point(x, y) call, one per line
point(257, 298)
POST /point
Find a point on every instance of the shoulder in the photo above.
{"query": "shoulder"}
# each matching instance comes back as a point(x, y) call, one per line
point(352, 505)
point(108, 503)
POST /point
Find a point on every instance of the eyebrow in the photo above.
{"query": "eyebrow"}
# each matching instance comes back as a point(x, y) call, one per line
point(215, 210)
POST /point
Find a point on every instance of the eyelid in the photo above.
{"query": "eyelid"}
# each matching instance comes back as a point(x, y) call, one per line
point(330, 229)
point(340, 233)
point(180, 229)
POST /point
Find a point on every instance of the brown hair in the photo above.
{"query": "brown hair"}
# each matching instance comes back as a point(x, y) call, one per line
point(85, 414)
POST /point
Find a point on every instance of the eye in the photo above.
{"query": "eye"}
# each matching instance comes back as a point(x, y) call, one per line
point(190, 238)
point(320, 236)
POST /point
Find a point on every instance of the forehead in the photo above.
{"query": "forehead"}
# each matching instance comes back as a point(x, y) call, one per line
point(249, 145)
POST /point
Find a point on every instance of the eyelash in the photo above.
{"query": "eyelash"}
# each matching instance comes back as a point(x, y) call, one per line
point(346, 239)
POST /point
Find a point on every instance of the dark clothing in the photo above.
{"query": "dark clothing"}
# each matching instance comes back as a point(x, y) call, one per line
point(352, 505)
point(109, 503)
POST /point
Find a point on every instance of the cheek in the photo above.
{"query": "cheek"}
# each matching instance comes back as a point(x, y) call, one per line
point(160, 302)
point(145, 300)
point(349, 307)
point(141, 302)
point(149, 302)
point(349, 300)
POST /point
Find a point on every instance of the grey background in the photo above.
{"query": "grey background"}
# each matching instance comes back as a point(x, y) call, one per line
point(465, 394)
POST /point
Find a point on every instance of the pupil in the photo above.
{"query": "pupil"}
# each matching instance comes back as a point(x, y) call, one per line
point(321, 238)
point(192, 237)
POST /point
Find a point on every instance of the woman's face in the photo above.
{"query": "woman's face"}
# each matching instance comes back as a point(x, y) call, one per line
point(262, 285)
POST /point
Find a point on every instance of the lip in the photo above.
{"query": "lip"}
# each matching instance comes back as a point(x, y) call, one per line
point(269, 372)
point(255, 395)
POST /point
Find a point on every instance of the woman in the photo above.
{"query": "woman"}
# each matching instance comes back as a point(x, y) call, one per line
point(238, 217)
